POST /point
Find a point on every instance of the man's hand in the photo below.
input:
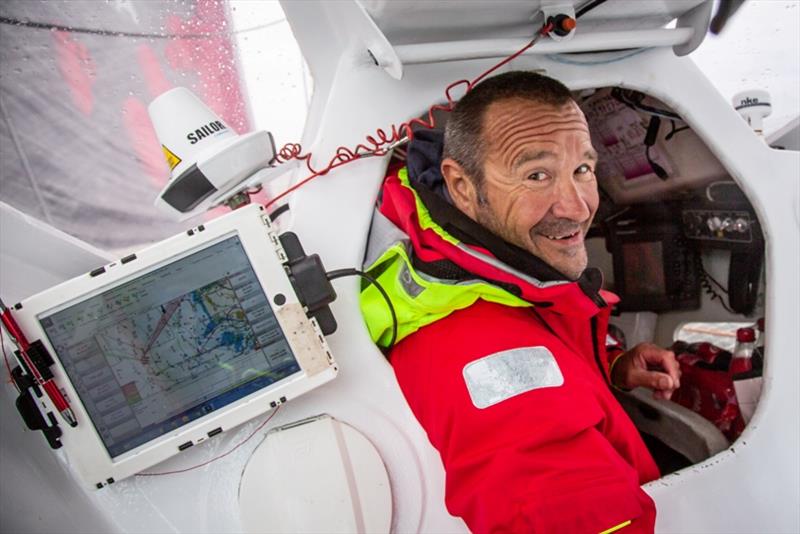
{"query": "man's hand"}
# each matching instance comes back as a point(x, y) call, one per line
point(649, 366)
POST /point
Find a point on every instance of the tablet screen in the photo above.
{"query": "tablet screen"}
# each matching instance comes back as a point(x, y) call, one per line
point(170, 346)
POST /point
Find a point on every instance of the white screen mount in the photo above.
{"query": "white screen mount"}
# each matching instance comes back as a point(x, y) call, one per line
point(175, 344)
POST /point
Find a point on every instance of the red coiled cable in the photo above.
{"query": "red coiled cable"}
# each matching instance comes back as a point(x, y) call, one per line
point(382, 142)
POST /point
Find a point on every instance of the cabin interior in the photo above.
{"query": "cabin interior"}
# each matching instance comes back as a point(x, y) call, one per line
point(679, 242)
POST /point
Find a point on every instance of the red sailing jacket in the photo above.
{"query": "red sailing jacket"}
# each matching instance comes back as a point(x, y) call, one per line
point(523, 452)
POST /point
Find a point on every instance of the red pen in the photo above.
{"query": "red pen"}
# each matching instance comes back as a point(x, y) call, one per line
point(48, 385)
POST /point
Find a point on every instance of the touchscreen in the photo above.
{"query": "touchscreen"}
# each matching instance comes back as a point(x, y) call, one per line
point(172, 345)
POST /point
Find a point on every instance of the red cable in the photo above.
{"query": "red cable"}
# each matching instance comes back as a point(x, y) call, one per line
point(223, 455)
point(378, 145)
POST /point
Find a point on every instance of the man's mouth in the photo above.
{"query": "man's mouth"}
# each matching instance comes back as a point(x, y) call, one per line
point(561, 237)
point(559, 233)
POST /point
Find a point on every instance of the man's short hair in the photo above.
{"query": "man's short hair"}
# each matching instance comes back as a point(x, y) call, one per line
point(463, 138)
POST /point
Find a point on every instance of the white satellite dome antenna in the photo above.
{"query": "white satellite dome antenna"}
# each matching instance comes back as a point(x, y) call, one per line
point(210, 163)
point(753, 105)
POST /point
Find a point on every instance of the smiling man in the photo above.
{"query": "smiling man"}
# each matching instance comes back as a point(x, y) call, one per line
point(529, 178)
point(501, 343)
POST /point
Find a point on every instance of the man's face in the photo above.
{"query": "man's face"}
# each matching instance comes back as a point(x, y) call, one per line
point(539, 190)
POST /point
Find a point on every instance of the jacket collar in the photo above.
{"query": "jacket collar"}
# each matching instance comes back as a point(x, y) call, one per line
point(469, 232)
point(440, 234)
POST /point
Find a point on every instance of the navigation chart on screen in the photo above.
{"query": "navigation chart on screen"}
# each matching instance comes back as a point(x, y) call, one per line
point(173, 350)
point(171, 346)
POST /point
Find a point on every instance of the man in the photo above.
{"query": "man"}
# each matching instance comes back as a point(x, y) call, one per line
point(501, 328)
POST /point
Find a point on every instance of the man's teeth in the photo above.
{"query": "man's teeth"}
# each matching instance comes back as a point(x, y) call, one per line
point(561, 236)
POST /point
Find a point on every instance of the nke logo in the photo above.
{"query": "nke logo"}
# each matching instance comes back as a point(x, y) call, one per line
point(205, 131)
point(747, 101)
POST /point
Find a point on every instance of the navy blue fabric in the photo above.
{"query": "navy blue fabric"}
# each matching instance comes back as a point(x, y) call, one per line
point(423, 158)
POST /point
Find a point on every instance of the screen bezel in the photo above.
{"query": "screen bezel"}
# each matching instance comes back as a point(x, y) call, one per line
point(672, 299)
point(654, 272)
point(195, 403)
point(84, 446)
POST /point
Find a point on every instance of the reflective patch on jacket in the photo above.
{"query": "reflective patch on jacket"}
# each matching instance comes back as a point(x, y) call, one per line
point(504, 375)
point(410, 286)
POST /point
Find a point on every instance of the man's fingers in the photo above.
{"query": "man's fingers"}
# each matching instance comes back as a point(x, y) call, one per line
point(654, 380)
point(661, 381)
point(650, 366)
point(655, 355)
point(662, 395)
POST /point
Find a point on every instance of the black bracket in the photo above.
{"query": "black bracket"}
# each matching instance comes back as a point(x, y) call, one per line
point(41, 359)
point(309, 280)
point(29, 409)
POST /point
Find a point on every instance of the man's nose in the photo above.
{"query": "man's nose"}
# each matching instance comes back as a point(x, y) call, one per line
point(568, 202)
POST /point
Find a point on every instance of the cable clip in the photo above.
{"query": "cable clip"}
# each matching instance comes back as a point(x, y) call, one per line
point(560, 21)
point(309, 280)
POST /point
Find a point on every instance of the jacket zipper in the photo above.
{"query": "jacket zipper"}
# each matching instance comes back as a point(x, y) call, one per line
point(596, 349)
point(595, 346)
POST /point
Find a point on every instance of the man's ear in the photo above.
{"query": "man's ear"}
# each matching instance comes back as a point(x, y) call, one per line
point(461, 188)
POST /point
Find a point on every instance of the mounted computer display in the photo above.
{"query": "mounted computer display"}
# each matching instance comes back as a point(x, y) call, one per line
point(175, 344)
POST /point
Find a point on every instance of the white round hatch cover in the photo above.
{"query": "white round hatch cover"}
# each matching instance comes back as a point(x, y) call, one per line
point(316, 475)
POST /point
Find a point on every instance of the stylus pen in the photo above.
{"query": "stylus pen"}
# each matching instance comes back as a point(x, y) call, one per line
point(48, 385)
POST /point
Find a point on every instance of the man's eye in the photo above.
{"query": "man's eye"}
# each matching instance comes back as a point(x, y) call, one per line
point(537, 176)
point(583, 169)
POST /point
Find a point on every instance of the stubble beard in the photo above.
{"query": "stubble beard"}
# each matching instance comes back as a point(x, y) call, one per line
point(575, 260)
